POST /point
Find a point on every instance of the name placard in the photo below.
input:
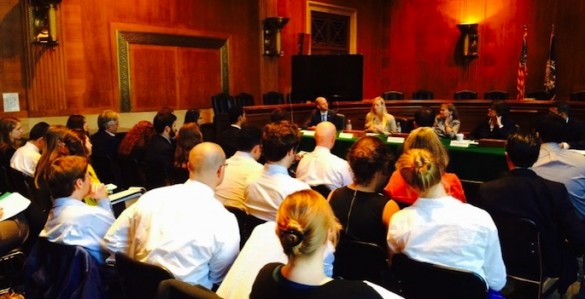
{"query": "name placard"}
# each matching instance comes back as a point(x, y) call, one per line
point(308, 133)
point(345, 135)
point(392, 139)
point(462, 143)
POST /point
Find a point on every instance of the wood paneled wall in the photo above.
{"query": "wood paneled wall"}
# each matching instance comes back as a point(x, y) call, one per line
point(407, 44)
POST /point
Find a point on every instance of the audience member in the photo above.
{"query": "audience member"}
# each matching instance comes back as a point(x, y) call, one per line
point(242, 167)
point(321, 167)
point(77, 121)
point(523, 194)
point(193, 116)
point(26, 157)
point(378, 120)
point(11, 138)
point(135, 142)
point(227, 139)
point(322, 113)
point(360, 208)
point(279, 146)
point(160, 152)
point(424, 117)
point(104, 140)
point(305, 223)
point(424, 138)
point(560, 165)
point(72, 222)
point(87, 149)
point(574, 128)
point(442, 230)
point(182, 227)
point(278, 115)
point(497, 125)
point(189, 135)
point(447, 121)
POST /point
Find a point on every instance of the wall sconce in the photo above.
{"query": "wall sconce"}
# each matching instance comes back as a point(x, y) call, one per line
point(271, 33)
point(44, 22)
point(470, 40)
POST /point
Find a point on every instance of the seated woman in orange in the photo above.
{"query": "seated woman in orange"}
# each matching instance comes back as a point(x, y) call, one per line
point(378, 120)
point(424, 138)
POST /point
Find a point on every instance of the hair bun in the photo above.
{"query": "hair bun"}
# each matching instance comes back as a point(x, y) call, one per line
point(291, 237)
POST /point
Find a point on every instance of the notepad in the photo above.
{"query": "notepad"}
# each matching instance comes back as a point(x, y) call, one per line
point(12, 204)
point(130, 193)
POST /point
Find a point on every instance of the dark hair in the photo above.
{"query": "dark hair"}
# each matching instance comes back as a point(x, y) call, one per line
point(523, 149)
point(79, 148)
point(75, 121)
point(7, 124)
point(63, 173)
point(192, 116)
point(234, 113)
point(189, 135)
point(247, 138)
point(551, 128)
point(278, 139)
point(562, 107)
point(162, 120)
point(424, 117)
point(366, 157)
point(278, 114)
point(501, 107)
point(39, 130)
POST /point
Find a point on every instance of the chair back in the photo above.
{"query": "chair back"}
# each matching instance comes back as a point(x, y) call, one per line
point(139, 280)
point(578, 96)
point(131, 172)
point(495, 95)
point(108, 170)
point(244, 99)
point(540, 95)
point(11, 268)
point(393, 95)
point(416, 280)
point(322, 189)
point(422, 94)
point(4, 180)
point(62, 271)
point(357, 260)
point(465, 95)
point(18, 182)
point(273, 98)
point(176, 289)
point(221, 103)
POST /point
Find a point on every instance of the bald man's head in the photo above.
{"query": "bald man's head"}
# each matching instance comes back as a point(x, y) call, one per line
point(206, 162)
point(322, 104)
point(325, 134)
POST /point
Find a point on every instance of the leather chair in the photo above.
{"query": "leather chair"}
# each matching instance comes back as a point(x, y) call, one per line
point(244, 99)
point(539, 95)
point(176, 289)
point(273, 98)
point(11, 268)
point(221, 103)
point(522, 254)
point(393, 95)
point(322, 189)
point(140, 280)
point(357, 260)
point(578, 96)
point(465, 95)
point(418, 280)
point(422, 94)
point(495, 95)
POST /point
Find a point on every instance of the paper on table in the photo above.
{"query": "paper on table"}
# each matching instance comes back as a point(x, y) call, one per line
point(12, 204)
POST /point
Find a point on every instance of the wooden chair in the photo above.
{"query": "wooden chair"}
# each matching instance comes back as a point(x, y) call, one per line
point(416, 280)
point(422, 94)
point(140, 280)
point(521, 250)
point(495, 95)
point(393, 95)
point(465, 95)
point(176, 289)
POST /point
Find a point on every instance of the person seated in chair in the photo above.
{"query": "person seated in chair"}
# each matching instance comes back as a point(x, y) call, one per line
point(524, 194)
point(574, 128)
point(227, 138)
point(26, 157)
point(442, 230)
point(321, 167)
point(105, 143)
point(72, 222)
point(322, 113)
point(378, 120)
point(159, 154)
point(447, 122)
point(497, 124)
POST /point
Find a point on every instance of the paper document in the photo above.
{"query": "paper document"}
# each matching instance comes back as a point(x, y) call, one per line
point(12, 204)
point(130, 193)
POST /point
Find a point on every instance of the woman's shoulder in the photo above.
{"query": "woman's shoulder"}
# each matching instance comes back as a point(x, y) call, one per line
point(340, 288)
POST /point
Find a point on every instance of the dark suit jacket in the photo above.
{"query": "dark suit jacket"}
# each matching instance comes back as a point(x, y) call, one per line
point(575, 134)
point(159, 159)
point(104, 144)
point(523, 194)
point(482, 130)
point(315, 118)
point(227, 141)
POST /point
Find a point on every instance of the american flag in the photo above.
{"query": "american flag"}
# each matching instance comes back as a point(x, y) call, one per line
point(550, 75)
point(522, 68)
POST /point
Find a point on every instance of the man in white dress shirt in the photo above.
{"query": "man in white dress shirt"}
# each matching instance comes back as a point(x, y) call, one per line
point(182, 227)
point(26, 157)
point(279, 147)
point(321, 167)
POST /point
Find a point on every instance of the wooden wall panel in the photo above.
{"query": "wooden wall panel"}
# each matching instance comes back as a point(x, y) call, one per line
point(153, 77)
point(195, 85)
point(12, 67)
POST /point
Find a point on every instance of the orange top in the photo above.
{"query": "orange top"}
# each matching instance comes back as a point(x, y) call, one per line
point(397, 189)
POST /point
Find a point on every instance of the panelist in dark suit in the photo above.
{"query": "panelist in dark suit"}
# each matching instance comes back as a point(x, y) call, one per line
point(574, 128)
point(497, 125)
point(227, 139)
point(160, 152)
point(524, 194)
point(104, 141)
point(322, 113)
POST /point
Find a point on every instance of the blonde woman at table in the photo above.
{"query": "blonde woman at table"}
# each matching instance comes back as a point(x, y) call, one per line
point(378, 120)
point(447, 121)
